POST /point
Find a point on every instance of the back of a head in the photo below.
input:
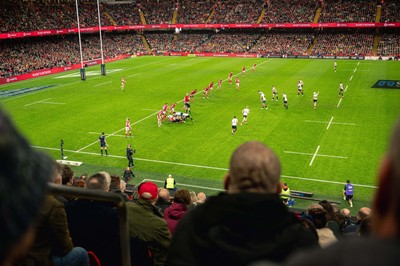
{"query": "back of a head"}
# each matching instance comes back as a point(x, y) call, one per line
point(183, 196)
point(24, 174)
point(115, 182)
point(363, 213)
point(201, 197)
point(254, 168)
point(164, 194)
point(67, 175)
point(97, 181)
point(318, 217)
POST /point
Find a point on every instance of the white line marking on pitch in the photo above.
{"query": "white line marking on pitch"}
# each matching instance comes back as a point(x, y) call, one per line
point(37, 102)
point(339, 102)
point(79, 81)
point(315, 154)
point(355, 70)
point(134, 75)
point(329, 124)
point(351, 77)
point(311, 154)
point(345, 89)
point(150, 110)
point(358, 63)
point(202, 166)
point(324, 122)
point(98, 85)
point(107, 135)
point(325, 181)
point(186, 185)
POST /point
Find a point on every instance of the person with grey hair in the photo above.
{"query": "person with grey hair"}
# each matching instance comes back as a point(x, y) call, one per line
point(382, 247)
point(246, 223)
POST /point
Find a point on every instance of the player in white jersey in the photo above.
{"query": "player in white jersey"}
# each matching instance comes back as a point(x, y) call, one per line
point(245, 113)
point(341, 89)
point(285, 100)
point(274, 93)
point(235, 121)
point(315, 99)
point(300, 88)
point(128, 129)
point(334, 66)
point(122, 83)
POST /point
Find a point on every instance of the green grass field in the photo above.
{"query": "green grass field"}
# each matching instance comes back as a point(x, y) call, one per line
point(319, 149)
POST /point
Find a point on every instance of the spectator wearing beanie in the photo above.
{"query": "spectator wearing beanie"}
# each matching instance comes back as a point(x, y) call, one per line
point(146, 224)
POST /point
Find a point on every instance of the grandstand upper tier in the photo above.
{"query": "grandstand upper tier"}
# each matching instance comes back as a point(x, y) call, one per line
point(30, 15)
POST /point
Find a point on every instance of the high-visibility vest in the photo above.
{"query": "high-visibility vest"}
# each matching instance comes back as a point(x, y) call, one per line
point(170, 183)
point(285, 194)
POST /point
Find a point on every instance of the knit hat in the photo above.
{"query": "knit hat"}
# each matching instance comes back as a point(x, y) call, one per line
point(148, 190)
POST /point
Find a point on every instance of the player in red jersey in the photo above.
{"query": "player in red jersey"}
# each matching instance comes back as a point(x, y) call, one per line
point(205, 92)
point(186, 101)
point(230, 77)
point(192, 93)
point(211, 86)
point(219, 87)
point(254, 67)
point(237, 84)
point(165, 108)
point(122, 83)
point(243, 71)
point(128, 129)
point(172, 108)
point(160, 117)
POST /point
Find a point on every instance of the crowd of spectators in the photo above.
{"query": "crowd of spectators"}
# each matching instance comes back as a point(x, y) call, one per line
point(36, 15)
point(159, 11)
point(343, 43)
point(280, 43)
point(348, 11)
point(236, 11)
point(389, 45)
point(390, 11)
point(229, 43)
point(289, 11)
point(23, 56)
point(124, 14)
point(194, 12)
point(160, 42)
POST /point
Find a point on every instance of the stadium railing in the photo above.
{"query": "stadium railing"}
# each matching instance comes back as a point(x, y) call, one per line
point(107, 197)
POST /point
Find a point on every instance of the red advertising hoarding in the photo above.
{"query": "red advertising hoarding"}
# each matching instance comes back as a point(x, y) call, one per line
point(12, 35)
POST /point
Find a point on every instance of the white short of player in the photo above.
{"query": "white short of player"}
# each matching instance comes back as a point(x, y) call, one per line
point(127, 129)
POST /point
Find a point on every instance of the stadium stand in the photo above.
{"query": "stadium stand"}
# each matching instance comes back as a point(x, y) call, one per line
point(24, 56)
point(294, 11)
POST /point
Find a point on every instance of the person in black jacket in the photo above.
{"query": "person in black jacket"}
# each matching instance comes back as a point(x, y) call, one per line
point(246, 223)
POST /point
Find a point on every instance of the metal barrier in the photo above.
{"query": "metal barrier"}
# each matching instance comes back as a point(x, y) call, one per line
point(102, 196)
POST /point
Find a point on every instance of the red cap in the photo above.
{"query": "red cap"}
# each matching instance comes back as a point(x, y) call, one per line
point(148, 190)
